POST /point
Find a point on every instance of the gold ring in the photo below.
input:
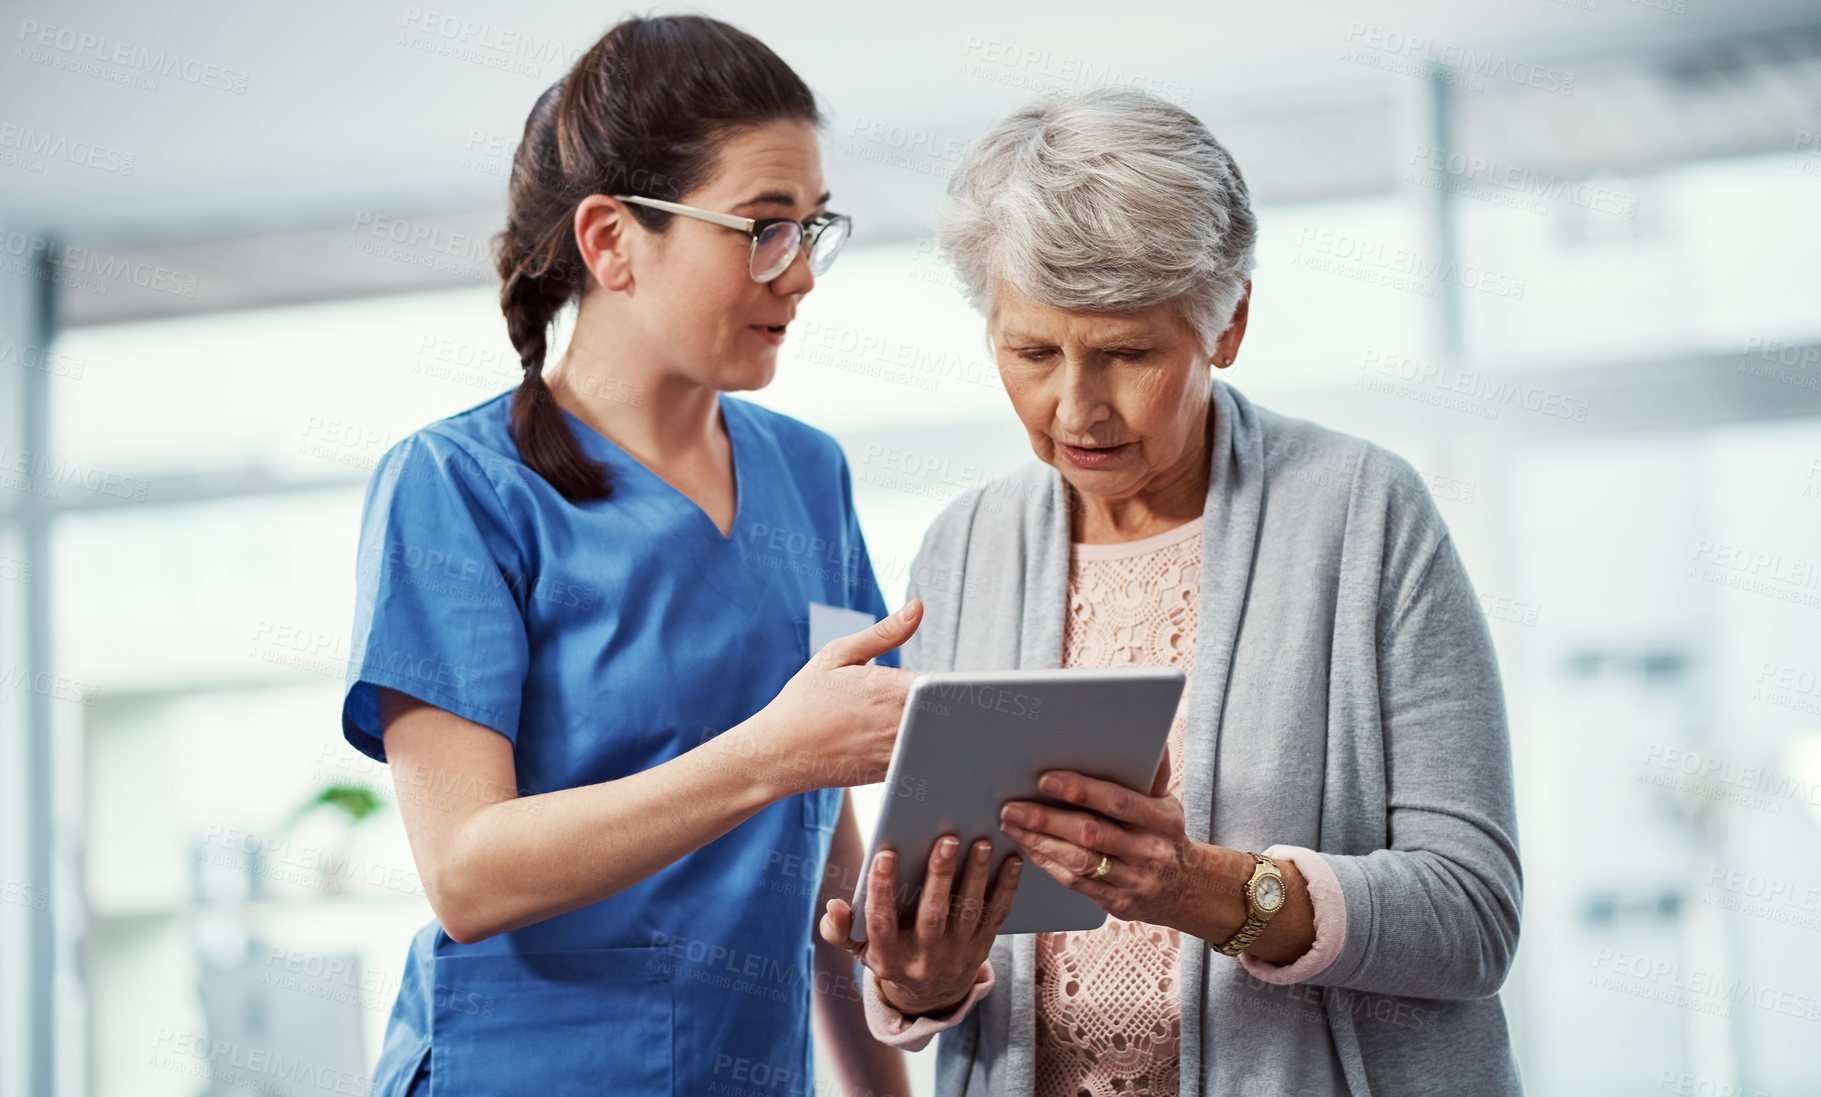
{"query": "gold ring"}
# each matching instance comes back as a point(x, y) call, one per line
point(1104, 866)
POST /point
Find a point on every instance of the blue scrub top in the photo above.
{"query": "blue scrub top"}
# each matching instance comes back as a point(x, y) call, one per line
point(603, 639)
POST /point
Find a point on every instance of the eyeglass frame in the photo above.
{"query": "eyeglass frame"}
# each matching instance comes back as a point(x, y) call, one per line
point(752, 227)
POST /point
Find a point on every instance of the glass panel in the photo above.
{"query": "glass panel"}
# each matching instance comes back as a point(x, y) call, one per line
point(1706, 258)
point(307, 392)
point(1667, 729)
point(210, 660)
point(242, 590)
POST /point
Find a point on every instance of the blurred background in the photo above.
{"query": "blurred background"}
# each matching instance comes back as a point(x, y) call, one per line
point(1563, 255)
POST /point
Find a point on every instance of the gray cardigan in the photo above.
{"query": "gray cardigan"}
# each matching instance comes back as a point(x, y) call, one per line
point(1345, 699)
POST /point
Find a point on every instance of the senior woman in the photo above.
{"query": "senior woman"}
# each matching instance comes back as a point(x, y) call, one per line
point(1320, 892)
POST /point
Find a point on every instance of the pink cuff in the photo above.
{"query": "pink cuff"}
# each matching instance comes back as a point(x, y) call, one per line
point(894, 1029)
point(1330, 920)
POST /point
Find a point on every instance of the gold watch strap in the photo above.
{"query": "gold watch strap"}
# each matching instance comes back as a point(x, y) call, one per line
point(1246, 935)
point(1254, 924)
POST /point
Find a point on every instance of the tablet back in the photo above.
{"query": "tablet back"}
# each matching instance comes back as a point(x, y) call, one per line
point(970, 741)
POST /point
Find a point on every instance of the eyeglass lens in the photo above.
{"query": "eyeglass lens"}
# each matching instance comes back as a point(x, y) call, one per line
point(777, 245)
point(774, 249)
point(827, 245)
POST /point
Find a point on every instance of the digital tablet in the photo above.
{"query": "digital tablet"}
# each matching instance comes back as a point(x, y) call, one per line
point(970, 741)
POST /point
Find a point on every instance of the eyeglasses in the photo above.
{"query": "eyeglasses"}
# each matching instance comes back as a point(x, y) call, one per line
point(775, 240)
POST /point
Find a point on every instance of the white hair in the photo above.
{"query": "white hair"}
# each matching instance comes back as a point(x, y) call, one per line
point(1105, 202)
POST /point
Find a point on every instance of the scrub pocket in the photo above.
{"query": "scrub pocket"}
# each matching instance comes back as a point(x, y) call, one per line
point(578, 1021)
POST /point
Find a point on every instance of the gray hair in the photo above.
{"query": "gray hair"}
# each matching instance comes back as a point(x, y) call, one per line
point(1105, 202)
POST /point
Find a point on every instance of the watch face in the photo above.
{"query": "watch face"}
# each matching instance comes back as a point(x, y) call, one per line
point(1269, 895)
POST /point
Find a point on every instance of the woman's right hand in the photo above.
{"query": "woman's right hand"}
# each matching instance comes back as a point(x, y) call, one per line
point(930, 967)
point(835, 722)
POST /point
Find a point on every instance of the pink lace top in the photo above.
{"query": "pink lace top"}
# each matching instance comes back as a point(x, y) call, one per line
point(1108, 1004)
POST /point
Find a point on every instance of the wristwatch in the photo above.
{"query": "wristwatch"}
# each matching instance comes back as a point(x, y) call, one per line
point(1264, 894)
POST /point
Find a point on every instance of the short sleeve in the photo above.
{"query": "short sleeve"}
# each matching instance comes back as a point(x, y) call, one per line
point(436, 612)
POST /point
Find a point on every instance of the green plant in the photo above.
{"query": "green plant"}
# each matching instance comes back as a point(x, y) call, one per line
point(358, 801)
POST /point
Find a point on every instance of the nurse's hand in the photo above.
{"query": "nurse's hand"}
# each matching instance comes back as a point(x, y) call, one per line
point(930, 967)
point(834, 723)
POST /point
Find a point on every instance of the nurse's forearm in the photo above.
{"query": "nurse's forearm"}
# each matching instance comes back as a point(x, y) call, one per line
point(525, 860)
point(491, 861)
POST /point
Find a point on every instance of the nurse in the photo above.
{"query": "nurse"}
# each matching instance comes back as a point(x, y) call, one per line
point(584, 613)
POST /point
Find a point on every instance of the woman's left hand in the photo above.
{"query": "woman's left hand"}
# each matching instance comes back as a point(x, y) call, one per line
point(1150, 858)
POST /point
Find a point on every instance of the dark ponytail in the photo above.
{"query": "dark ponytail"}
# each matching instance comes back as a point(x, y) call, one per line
point(642, 112)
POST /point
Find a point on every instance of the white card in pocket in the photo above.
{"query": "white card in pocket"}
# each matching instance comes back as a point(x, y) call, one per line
point(829, 622)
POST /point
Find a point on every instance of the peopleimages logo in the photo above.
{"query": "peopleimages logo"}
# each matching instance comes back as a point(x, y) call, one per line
point(1417, 55)
point(1040, 70)
point(118, 61)
point(28, 148)
point(31, 469)
point(992, 698)
point(1398, 267)
point(1481, 394)
point(87, 269)
point(1701, 991)
point(507, 49)
point(1514, 186)
point(1769, 783)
